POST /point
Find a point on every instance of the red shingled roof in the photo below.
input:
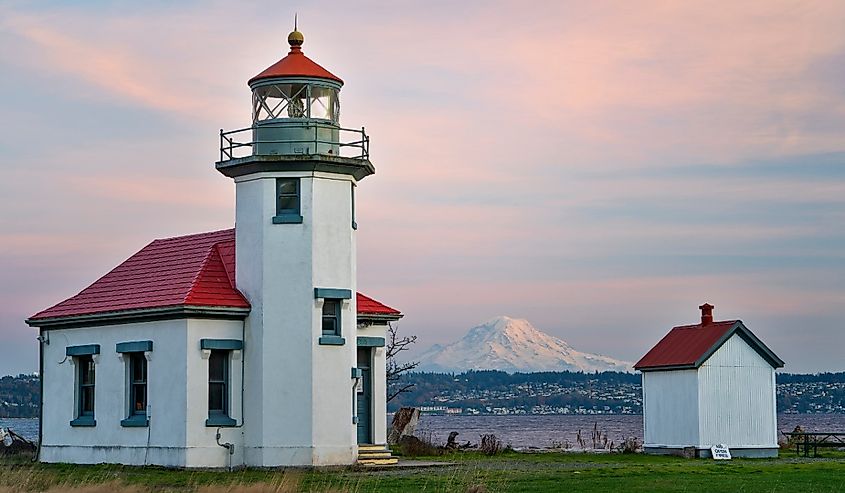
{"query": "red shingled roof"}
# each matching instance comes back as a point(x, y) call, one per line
point(367, 305)
point(194, 270)
point(187, 270)
point(295, 64)
point(688, 346)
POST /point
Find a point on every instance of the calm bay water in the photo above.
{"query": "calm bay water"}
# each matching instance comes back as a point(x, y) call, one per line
point(25, 427)
point(532, 431)
point(528, 431)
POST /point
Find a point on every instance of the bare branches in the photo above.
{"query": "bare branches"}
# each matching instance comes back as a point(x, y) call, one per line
point(396, 344)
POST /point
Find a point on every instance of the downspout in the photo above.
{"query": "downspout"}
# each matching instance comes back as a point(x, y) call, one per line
point(41, 342)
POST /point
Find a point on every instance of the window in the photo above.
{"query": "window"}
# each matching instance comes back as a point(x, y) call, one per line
point(331, 317)
point(331, 314)
point(288, 196)
point(134, 354)
point(84, 379)
point(219, 353)
point(218, 383)
point(137, 384)
point(287, 201)
point(86, 386)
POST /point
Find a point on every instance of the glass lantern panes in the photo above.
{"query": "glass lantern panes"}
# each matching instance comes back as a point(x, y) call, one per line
point(295, 100)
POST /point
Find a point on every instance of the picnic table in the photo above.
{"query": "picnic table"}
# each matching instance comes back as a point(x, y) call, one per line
point(807, 440)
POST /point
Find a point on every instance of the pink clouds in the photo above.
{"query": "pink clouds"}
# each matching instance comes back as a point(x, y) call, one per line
point(521, 153)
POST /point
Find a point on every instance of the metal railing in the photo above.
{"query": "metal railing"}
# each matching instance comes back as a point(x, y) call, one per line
point(235, 144)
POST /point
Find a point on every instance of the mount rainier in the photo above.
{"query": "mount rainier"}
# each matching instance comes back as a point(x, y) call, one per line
point(513, 345)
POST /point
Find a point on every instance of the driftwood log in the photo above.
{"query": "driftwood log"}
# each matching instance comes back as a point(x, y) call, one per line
point(12, 443)
point(404, 424)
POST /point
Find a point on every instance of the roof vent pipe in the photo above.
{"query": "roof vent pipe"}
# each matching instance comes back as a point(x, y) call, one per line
point(706, 314)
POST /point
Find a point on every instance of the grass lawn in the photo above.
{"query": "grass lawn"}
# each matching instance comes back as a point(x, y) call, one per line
point(511, 472)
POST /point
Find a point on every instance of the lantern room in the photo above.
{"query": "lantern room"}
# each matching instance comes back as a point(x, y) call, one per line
point(295, 88)
point(295, 116)
point(295, 106)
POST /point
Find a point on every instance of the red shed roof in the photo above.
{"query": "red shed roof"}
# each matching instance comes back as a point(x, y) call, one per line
point(689, 346)
point(195, 270)
point(295, 64)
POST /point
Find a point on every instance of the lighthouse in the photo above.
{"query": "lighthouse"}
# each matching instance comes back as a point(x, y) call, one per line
point(295, 171)
point(248, 346)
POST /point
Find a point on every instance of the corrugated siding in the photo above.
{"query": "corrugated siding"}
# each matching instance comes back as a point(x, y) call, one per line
point(670, 408)
point(736, 398)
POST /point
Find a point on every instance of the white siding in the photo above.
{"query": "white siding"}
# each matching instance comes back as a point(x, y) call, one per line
point(108, 441)
point(298, 392)
point(177, 394)
point(736, 398)
point(670, 408)
point(203, 450)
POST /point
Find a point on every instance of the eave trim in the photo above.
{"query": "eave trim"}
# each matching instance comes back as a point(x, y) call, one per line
point(139, 315)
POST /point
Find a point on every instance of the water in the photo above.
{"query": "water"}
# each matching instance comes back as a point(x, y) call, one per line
point(531, 431)
point(545, 431)
point(25, 427)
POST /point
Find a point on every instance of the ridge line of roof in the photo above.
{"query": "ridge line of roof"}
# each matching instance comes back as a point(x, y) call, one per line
point(699, 325)
point(179, 237)
point(232, 284)
point(210, 252)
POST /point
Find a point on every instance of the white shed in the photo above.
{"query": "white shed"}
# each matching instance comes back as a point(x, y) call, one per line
point(707, 384)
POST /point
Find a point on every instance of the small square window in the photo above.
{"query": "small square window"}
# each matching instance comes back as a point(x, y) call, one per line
point(331, 317)
point(287, 196)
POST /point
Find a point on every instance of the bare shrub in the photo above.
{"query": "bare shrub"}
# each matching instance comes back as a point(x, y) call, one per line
point(598, 438)
point(629, 445)
point(413, 446)
point(490, 445)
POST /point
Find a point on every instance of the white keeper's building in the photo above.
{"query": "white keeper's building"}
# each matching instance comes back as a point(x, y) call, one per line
point(709, 384)
point(244, 347)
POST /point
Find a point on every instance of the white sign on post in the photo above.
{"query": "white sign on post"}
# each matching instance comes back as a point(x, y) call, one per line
point(720, 452)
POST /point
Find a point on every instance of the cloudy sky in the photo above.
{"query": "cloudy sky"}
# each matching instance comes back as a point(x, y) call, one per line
point(598, 168)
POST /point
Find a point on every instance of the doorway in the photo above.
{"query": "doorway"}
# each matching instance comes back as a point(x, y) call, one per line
point(364, 393)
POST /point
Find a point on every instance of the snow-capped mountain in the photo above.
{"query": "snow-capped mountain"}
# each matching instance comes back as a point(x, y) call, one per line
point(513, 345)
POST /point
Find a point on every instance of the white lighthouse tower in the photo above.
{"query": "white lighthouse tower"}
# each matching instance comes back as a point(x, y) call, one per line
point(295, 171)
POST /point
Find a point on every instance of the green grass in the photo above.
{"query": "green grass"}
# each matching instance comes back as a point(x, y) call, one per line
point(510, 472)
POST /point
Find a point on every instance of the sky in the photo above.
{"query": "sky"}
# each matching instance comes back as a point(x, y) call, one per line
point(597, 168)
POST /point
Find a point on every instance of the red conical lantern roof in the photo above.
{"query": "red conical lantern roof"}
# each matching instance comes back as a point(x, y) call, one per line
point(296, 64)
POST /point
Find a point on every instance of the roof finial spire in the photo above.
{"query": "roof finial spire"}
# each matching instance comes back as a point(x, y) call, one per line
point(295, 38)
